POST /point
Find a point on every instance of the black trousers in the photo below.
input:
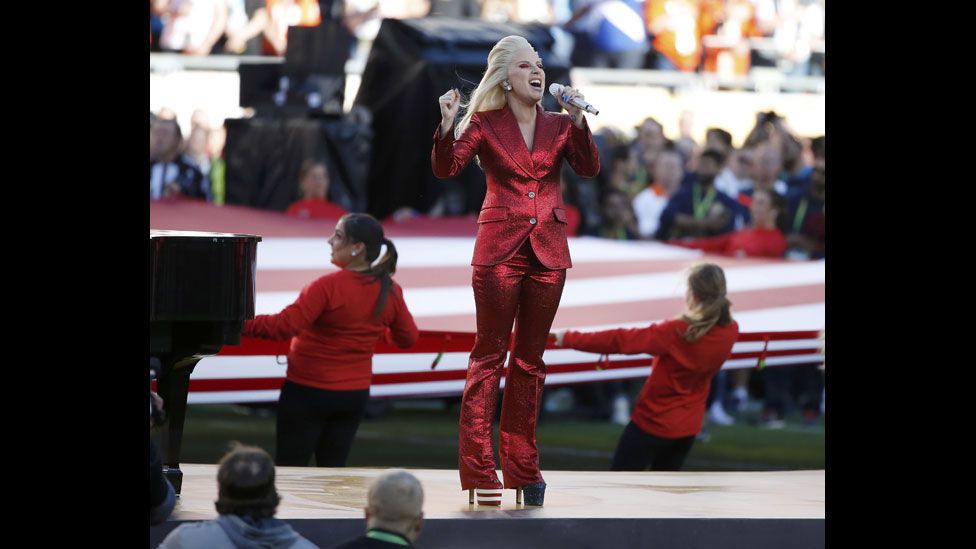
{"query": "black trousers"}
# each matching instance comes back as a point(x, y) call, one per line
point(637, 449)
point(317, 420)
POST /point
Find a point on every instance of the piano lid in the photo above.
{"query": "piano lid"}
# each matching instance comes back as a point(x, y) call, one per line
point(161, 233)
point(201, 276)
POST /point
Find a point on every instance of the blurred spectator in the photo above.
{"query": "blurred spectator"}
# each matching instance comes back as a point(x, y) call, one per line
point(608, 33)
point(650, 203)
point(170, 173)
point(772, 129)
point(362, 18)
point(584, 193)
point(166, 113)
point(618, 219)
point(763, 237)
point(799, 28)
point(818, 147)
point(812, 150)
point(699, 209)
point(204, 149)
point(192, 27)
point(727, 51)
point(688, 150)
point(685, 143)
point(156, 23)
point(644, 149)
point(199, 119)
point(619, 175)
point(734, 178)
point(677, 27)
point(766, 169)
point(313, 186)
point(686, 124)
point(718, 139)
point(805, 216)
point(197, 150)
point(272, 22)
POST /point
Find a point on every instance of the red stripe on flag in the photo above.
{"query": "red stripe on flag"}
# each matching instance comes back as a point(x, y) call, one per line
point(450, 342)
point(236, 384)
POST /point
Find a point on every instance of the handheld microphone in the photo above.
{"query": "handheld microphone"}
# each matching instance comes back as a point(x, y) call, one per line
point(557, 91)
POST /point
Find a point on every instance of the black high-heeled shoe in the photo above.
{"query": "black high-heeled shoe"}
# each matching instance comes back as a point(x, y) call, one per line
point(535, 494)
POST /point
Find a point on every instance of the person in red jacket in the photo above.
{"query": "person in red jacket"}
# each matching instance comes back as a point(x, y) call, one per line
point(688, 351)
point(313, 184)
point(763, 238)
point(520, 255)
point(334, 325)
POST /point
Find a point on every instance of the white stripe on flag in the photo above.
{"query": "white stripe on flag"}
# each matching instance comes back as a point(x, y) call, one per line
point(313, 253)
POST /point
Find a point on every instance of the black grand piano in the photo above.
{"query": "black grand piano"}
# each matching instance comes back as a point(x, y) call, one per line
point(201, 290)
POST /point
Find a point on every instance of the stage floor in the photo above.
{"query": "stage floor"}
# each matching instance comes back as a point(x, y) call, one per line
point(320, 493)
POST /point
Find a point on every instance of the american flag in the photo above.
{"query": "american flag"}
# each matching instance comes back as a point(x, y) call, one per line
point(612, 284)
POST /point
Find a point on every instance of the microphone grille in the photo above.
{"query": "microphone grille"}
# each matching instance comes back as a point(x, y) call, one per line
point(555, 88)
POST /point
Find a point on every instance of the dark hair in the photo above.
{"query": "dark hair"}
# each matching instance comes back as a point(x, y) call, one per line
point(246, 483)
point(365, 228)
point(652, 120)
point(764, 128)
point(174, 122)
point(715, 155)
point(620, 152)
point(723, 136)
point(819, 146)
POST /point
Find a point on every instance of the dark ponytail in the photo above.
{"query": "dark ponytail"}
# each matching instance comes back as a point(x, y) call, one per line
point(366, 229)
point(383, 272)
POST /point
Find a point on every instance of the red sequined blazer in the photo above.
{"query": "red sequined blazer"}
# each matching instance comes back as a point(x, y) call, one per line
point(524, 199)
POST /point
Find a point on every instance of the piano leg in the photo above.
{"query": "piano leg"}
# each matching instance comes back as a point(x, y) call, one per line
point(173, 385)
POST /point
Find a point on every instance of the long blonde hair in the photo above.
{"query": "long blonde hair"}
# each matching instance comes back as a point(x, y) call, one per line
point(489, 95)
point(707, 284)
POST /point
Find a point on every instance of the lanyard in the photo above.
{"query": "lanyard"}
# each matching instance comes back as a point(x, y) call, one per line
point(801, 212)
point(701, 206)
point(383, 536)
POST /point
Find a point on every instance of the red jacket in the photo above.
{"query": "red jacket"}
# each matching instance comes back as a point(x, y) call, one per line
point(524, 199)
point(315, 208)
point(747, 242)
point(333, 332)
point(672, 402)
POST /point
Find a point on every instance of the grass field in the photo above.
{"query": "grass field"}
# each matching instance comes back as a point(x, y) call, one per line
point(423, 434)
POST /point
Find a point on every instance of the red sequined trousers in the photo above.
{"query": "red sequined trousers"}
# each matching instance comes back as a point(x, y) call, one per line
point(524, 291)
